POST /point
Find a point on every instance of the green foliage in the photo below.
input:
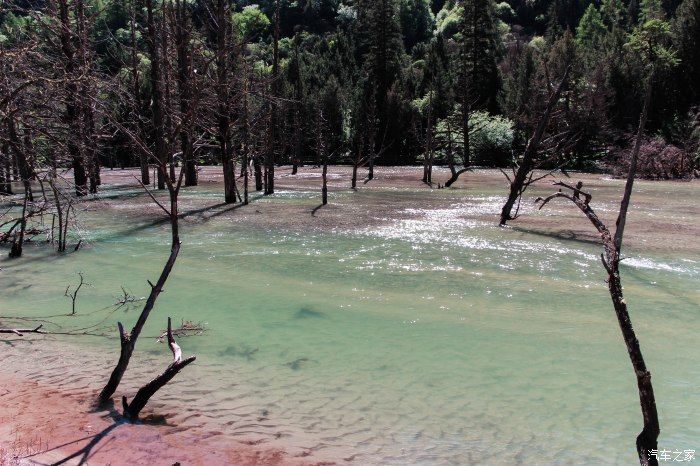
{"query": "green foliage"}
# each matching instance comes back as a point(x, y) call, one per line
point(650, 9)
point(490, 136)
point(591, 29)
point(448, 20)
point(648, 43)
point(417, 21)
point(505, 12)
point(251, 22)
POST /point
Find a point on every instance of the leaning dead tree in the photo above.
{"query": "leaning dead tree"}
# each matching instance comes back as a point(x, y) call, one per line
point(523, 177)
point(128, 340)
point(647, 439)
point(132, 410)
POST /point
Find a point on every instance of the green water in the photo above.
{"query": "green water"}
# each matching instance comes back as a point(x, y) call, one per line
point(432, 339)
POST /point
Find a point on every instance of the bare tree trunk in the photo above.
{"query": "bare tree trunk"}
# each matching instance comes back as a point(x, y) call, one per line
point(245, 162)
point(16, 250)
point(624, 206)
point(428, 155)
point(128, 340)
point(87, 109)
point(132, 410)
point(274, 113)
point(72, 113)
point(6, 170)
point(21, 160)
point(157, 91)
point(223, 25)
point(322, 155)
point(185, 88)
point(356, 165)
point(528, 162)
point(647, 440)
point(136, 90)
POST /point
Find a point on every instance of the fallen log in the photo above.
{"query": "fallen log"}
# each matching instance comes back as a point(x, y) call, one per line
point(21, 331)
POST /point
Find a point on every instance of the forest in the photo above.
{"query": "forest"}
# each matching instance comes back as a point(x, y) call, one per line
point(391, 230)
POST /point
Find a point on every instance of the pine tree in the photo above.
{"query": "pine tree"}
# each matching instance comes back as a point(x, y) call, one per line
point(686, 40)
point(479, 53)
point(650, 9)
point(382, 65)
point(591, 29)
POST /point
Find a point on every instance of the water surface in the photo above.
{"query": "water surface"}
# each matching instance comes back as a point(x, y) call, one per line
point(434, 337)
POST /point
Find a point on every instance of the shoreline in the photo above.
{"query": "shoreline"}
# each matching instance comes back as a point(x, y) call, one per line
point(45, 425)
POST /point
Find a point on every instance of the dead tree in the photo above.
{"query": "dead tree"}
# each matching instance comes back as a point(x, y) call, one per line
point(128, 340)
point(73, 296)
point(429, 154)
point(647, 439)
point(222, 30)
point(158, 100)
point(16, 250)
point(519, 182)
point(136, 91)
point(132, 410)
point(298, 96)
point(321, 153)
point(72, 117)
point(21, 331)
point(245, 137)
point(186, 88)
point(274, 112)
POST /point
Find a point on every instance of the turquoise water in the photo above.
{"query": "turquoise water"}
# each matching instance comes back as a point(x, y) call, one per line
point(431, 338)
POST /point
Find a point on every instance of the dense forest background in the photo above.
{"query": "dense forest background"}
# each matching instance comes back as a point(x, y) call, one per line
point(90, 83)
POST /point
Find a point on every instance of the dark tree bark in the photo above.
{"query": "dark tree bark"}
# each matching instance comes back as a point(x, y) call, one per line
point(223, 65)
point(21, 331)
point(274, 112)
point(157, 106)
point(518, 184)
point(136, 90)
point(6, 169)
point(245, 162)
point(132, 410)
point(72, 116)
point(298, 95)
point(128, 340)
point(647, 440)
point(185, 87)
point(21, 160)
point(87, 106)
point(16, 250)
point(322, 154)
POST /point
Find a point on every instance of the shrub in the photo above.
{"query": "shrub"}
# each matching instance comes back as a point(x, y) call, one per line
point(658, 160)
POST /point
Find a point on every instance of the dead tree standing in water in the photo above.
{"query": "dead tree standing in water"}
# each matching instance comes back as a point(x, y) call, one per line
point(648, 44)
point(222, 30)
point(520, 180)
point(186, 89)
point(322, 153)
point(157, 105)
point(128, 340)
point(132, 410)
point(274, 112)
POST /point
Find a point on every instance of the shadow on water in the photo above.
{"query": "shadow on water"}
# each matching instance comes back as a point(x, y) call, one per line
point(162, 220)
point(306, 313)
point(566, 235)
point(316, 209)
